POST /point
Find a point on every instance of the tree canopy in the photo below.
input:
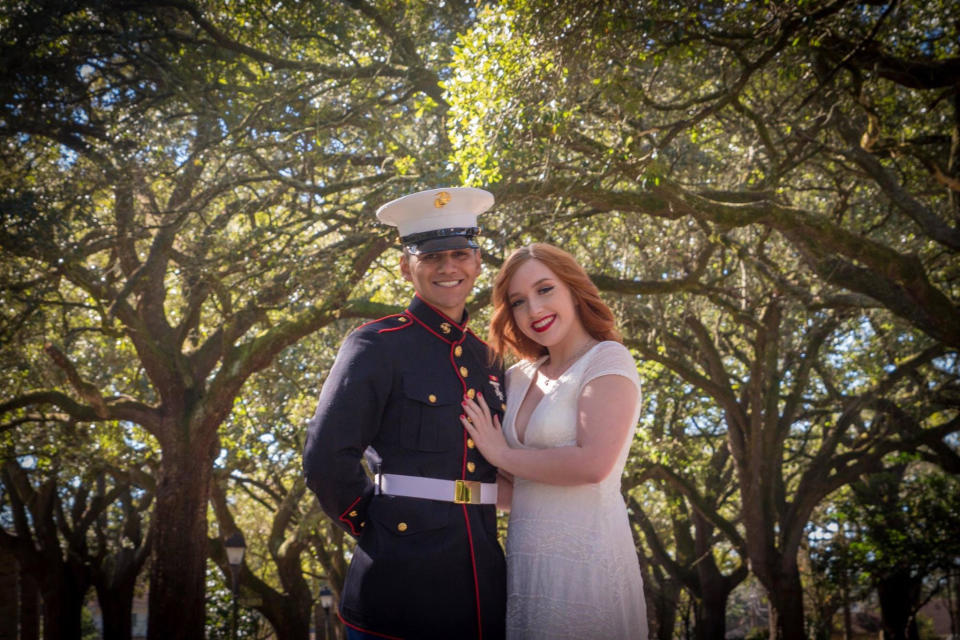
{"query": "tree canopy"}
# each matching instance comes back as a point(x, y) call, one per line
point(765, 193)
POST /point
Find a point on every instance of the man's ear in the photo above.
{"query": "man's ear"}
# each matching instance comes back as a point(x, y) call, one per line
point(405, 267)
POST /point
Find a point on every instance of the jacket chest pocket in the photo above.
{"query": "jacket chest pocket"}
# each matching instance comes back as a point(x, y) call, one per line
point(431, 415)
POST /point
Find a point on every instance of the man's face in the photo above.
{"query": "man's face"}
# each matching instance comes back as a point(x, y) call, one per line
point(443, 279)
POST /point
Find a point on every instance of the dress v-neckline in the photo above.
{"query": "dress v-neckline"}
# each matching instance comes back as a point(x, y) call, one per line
point(526, 392)
point(544, 392)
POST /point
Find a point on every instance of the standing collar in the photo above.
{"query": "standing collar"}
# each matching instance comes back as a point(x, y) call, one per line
point(436, 321)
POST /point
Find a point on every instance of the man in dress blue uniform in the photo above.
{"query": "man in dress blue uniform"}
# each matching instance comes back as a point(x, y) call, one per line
point(427, 562)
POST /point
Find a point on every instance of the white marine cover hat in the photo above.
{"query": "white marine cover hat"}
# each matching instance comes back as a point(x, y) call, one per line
point(437, 219)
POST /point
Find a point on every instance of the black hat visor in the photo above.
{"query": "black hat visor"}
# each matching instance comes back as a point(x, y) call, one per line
point(441, 240)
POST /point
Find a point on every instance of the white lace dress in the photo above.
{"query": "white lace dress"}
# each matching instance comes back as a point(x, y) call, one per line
point(572, 569)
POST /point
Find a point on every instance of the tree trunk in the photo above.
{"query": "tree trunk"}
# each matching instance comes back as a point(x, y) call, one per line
point(710, 625)
point(290, 612)
point(179, 554)
point(117, 611)
point(898, 595)
point(9, 604)
point(822, 625)
point(953, 602)
point(294, 623)
point(711, 621)
point(63, 600)
point(29, 607)
point(115, 581)
point(715, 588)
point(664, 608)
point(847, 609)
point(786, 605)
point(115, 595)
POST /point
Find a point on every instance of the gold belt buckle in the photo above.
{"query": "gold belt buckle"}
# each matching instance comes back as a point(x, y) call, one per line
point(466, 492)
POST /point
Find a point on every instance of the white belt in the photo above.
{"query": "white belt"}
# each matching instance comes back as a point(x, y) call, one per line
point(459, 491)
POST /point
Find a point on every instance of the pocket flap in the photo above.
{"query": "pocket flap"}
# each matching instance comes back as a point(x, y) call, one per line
point(429, 392)
point(408, 516)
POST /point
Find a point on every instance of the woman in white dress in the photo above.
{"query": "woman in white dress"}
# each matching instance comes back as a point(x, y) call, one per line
point(572, 406)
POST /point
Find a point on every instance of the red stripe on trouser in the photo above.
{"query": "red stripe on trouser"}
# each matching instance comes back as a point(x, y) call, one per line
point(476, 582)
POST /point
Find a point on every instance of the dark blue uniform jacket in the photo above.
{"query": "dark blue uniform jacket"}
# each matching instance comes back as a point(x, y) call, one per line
point(421, 568)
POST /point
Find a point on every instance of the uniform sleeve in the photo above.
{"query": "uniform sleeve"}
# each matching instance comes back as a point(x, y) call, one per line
point(347, 418)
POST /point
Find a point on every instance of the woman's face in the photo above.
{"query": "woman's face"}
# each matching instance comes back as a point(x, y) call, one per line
point(543, 306)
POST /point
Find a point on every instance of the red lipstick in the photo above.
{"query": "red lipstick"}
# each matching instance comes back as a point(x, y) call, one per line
point(543, 327)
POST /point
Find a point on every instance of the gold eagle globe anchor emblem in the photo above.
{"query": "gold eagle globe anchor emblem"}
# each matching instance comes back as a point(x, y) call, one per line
point(441, 200)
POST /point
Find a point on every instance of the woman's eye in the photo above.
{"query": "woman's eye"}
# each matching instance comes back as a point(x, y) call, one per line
point(543, 290)
point(516, 303)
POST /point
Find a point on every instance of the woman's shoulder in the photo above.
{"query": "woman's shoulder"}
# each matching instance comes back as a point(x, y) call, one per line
point(610, 357)
point(610, 350)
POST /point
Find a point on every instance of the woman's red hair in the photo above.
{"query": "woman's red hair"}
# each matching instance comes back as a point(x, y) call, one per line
point(595, 315)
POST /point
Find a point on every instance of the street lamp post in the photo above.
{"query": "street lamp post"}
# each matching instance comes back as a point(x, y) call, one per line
point(326, 601)
point(235, 548)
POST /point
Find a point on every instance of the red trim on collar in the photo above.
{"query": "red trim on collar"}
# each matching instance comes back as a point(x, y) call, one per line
point(427, 327)
point(456, 324)
point(362, 630)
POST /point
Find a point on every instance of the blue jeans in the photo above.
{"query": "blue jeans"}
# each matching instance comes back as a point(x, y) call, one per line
point(353, 634)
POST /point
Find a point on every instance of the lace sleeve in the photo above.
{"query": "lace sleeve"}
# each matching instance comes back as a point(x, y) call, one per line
point(610, 358)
